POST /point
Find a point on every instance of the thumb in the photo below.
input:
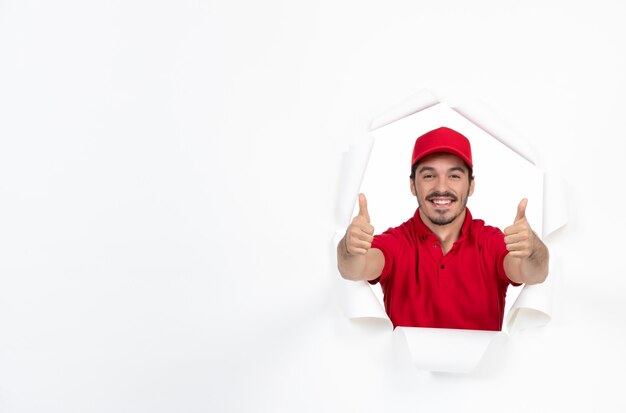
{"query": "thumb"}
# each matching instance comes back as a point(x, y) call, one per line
point(363, 207)
point(521, 210)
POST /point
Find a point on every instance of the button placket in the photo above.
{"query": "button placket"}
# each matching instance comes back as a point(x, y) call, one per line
point(442, 275)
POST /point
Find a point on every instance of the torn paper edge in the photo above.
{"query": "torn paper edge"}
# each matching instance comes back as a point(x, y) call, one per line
point(555, 214)
point(353, 169)
point(357, 298)
point(534, 305)
point(481, 116)
point(446, 350)
point(413, 104)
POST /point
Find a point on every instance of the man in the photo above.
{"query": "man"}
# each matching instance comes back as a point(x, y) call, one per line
point(442, 268)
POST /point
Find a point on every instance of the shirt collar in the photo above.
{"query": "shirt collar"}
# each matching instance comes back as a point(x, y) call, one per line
point(424, 232)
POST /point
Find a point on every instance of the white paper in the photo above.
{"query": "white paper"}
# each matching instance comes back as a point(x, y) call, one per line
point(415, 103)
point(483, 117)
point(354, 165)
point(555, 213)
point(358, 300)
point(446, 350)
point(361, 301)
point(533, 307)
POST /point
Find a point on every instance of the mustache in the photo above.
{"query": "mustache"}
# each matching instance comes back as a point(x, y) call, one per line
point(440, 195)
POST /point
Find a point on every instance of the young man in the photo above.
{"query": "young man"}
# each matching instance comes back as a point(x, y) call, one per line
point(442, 268)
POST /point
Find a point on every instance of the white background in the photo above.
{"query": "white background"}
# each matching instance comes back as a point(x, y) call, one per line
point(168, 186)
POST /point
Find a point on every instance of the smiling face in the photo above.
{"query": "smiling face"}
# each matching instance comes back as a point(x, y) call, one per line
point(442, 185)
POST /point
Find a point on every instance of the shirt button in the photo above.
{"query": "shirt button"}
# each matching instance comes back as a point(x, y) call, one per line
point(442, 266)
point(434, 245)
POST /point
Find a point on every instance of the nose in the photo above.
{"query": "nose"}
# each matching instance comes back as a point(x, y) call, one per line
point(441, 184)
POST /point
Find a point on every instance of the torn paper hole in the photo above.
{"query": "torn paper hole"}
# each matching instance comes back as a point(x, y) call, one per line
point(495, 148)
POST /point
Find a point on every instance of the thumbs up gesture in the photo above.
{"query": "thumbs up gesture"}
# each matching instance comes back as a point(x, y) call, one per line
point(519, 237)
point(360, 233)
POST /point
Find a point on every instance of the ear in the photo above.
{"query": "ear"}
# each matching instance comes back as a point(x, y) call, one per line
point(471, 187)
point(412, 184)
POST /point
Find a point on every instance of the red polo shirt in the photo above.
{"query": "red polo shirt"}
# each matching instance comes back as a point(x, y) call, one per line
point(464, 288)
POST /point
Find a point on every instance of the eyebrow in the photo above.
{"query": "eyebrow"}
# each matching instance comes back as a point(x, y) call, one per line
point(457, 168)
point(454, 168)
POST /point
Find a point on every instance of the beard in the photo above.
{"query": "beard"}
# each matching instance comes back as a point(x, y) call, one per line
point(442, 218)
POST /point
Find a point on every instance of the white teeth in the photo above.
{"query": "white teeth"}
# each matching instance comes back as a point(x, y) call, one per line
point(441, 202)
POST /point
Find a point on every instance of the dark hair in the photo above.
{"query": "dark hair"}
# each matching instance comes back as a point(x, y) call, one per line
point(470, 175)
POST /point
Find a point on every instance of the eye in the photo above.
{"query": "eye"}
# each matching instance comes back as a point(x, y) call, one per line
point(455, 176)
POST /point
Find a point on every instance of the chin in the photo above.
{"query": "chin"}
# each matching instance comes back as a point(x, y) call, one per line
point(444, 219)
point(441, 221)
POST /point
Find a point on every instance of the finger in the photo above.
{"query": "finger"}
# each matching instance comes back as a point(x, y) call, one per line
point(510, 230)
point(361, 229)
point(364, 236)
point(359, 244)
point(357, 251)
point(355, 233)
point(519, 254)
point(368, 229)
point(363, 207)
point(518, 246)
point(516, 237)
point(521, 210)
point(514, 229)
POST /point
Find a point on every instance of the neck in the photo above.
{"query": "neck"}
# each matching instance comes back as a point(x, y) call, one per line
point(448, 234)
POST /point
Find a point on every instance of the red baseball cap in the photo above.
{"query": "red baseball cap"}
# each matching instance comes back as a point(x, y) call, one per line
point(442, 140)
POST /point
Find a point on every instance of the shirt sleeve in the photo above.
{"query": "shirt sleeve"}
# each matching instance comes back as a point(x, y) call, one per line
point(493, 240)
point(387, 243)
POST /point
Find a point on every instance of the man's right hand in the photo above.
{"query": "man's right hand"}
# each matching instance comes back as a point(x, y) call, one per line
point(360, 233)
point(356, 259)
